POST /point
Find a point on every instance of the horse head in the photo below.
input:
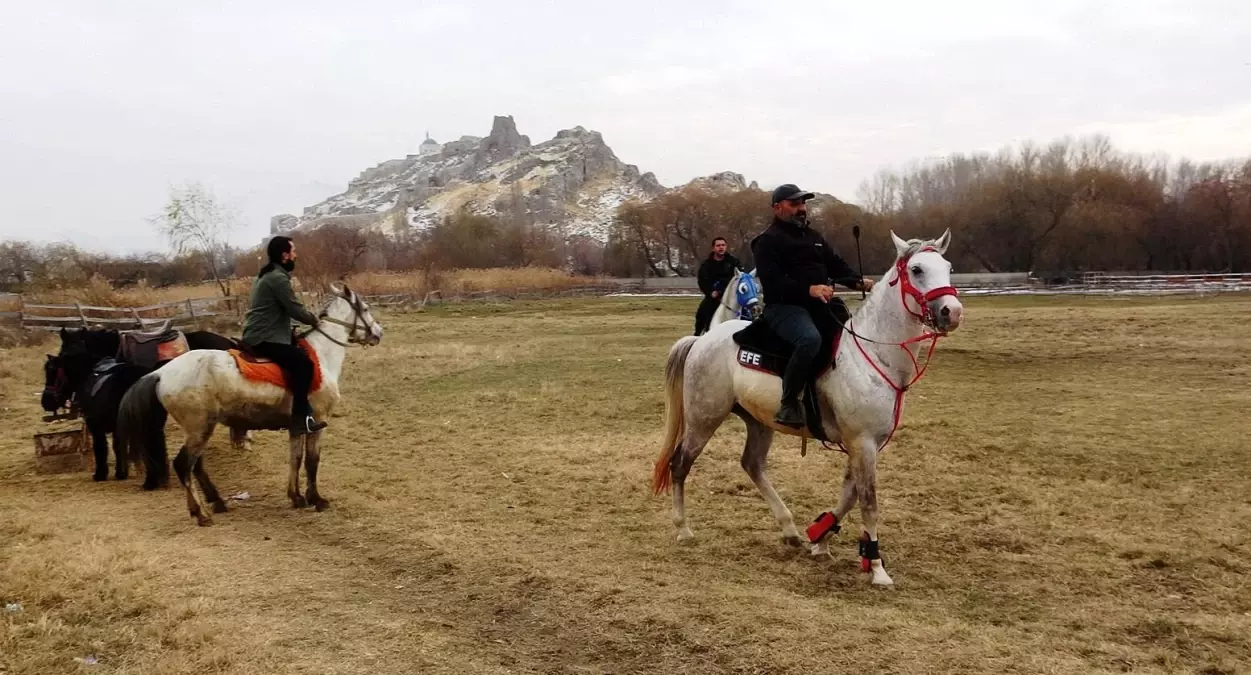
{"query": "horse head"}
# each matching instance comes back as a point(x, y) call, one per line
point(74, 342)
point(924, 279)
point(56, 385)
point(351, 311)
point(747, 295)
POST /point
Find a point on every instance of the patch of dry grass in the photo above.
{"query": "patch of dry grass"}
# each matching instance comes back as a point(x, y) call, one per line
point(1068, 495)
point(465, 281)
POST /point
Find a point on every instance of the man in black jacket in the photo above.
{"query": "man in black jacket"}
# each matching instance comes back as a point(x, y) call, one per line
point(714, 275)
point(795, 265)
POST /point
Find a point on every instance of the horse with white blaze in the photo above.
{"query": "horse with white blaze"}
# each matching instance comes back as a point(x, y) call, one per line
point(201, 389)
point(860, 398)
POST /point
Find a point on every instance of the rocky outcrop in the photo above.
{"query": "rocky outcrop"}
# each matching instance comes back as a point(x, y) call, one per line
point(574, 181)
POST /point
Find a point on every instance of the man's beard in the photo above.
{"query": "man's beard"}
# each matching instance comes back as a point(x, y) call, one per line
point(288, 266)
point(800, 218)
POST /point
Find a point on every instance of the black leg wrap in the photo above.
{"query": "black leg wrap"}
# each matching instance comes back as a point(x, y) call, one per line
point(869, 550)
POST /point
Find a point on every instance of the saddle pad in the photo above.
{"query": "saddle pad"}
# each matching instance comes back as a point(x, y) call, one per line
point(257, 370)
point(151, 352)
point(775, 364)
point(764, 362)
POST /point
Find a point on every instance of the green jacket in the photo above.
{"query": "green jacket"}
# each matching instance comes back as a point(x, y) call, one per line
point(274, 305)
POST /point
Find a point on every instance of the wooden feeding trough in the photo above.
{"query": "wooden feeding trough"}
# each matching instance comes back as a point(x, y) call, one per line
point(64, 451)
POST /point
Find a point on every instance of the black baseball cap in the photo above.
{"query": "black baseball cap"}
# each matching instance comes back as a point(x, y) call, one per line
point(790, 191)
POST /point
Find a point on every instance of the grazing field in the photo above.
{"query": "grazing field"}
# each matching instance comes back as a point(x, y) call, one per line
point(1070, 493)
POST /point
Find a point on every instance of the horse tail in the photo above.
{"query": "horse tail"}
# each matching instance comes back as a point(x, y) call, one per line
point(141, 429)
point(675, 418)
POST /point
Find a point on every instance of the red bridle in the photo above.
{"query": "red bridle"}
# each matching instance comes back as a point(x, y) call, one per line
point(926, 316)
point(908, 290)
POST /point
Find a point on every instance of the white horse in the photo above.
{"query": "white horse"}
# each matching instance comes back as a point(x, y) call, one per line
point(740, 299)
point(861, 398)
point(201, 389)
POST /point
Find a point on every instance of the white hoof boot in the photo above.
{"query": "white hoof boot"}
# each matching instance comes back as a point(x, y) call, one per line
point(821, 550)
point(880, 577)
point(685, 535)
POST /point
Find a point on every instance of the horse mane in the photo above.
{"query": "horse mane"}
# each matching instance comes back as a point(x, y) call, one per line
point(915, 246)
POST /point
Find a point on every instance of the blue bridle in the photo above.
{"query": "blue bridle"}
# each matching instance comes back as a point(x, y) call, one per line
point(747, 292)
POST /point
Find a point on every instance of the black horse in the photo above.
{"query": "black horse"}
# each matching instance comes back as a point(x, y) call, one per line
point(89, 370)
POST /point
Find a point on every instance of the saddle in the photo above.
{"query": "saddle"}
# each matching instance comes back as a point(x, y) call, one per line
point(260, 369)
point(101, 371)
point(152, 348)
point(760, 349)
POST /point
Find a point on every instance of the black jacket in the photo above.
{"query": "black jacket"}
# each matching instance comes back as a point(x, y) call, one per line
point(789, 259)
point(713, 271)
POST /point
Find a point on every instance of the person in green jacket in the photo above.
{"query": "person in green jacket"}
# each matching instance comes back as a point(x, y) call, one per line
point(267, 330)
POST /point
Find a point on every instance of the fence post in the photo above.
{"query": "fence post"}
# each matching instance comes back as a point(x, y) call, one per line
point(191, 310)
point(138, 321)
point(81, 314)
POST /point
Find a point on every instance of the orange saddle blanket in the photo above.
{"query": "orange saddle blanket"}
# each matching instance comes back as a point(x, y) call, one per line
point(257, 369)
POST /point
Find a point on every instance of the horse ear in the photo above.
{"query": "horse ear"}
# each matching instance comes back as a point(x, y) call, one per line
point(901, 246)
point(336, 287)
point(943, 242)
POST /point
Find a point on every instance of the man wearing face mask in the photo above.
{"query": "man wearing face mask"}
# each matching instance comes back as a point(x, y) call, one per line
point(267, 330)
point(795, 266)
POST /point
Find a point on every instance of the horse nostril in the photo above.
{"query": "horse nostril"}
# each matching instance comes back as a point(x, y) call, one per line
point(946, 312)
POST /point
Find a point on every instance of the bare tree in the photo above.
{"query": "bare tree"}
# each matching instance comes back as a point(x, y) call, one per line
point(195, 221)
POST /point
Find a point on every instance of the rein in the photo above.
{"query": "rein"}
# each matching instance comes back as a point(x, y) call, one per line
point(926, 317)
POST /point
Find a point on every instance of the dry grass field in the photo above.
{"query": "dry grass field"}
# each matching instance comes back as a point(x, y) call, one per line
point(1070, 493)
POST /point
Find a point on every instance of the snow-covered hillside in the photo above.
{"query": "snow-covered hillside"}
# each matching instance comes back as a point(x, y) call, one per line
point(573, 181)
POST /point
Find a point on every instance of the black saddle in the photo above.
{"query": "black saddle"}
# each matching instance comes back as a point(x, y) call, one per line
point(101, 371)
point(759, 348)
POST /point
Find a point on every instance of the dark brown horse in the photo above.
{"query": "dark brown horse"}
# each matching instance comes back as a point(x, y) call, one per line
point(88, 369)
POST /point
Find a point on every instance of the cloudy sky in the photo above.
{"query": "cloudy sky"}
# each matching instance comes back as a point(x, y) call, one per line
point(276, 104)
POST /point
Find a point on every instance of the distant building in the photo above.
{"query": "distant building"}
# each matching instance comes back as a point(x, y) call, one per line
point(429, 147)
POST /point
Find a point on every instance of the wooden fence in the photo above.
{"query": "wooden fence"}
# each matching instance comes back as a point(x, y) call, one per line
point(55, 317)
point(14, 309)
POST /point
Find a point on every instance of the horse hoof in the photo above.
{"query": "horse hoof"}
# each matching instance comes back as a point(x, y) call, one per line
point(880, 577)
point(321, 504)
point(792, 540)
point(122, 476)
point(298, 502)
point(219, 507)
point(99, 477)
point(685, 536)
point(204, 521)
point(821, 550)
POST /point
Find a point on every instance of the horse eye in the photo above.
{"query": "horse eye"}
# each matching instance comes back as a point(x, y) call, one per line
point(916, 269)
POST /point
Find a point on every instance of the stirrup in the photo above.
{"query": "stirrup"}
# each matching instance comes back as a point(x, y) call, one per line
point(308, 426)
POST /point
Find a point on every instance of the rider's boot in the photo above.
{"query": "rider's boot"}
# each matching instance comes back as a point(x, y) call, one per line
point(790, 414)
point(304, 423)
